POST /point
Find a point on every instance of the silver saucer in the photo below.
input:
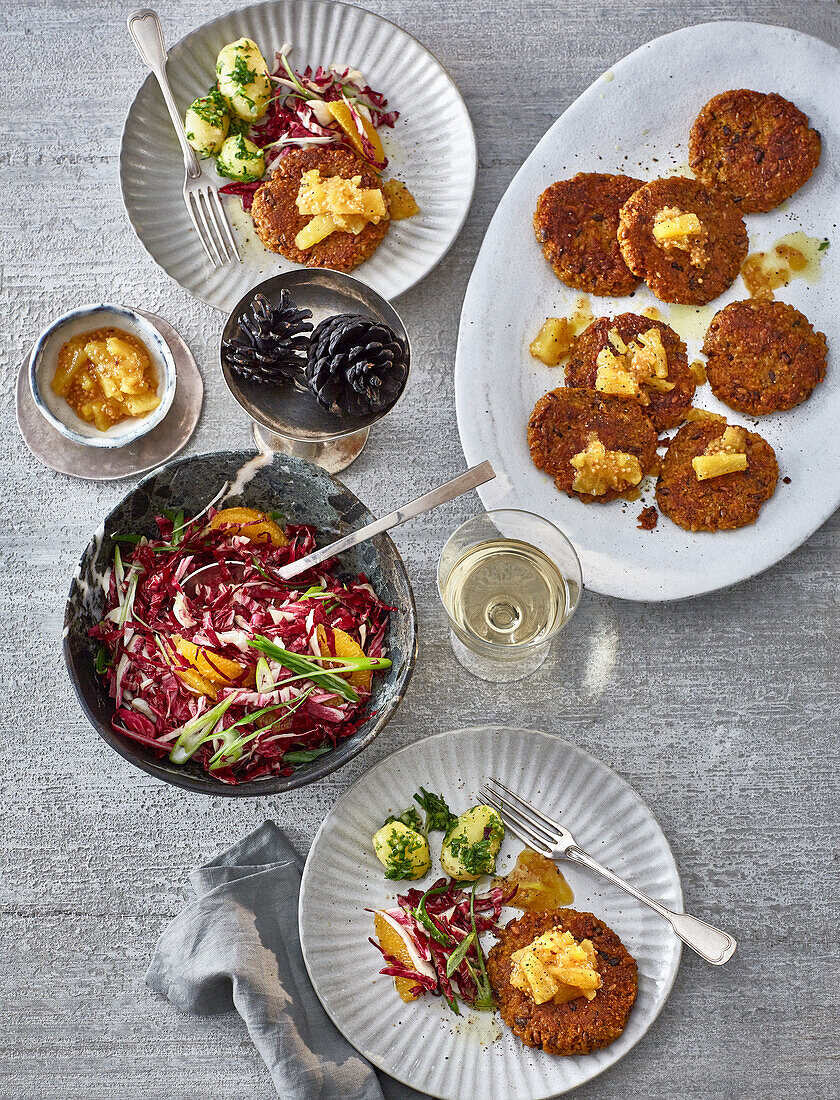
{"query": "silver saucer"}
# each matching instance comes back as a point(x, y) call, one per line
point(290, 420)
point(58, 453)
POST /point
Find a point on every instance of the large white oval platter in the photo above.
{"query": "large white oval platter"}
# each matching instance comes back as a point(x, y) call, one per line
point(635, 119)
point(423, 1044)
point(431, 148)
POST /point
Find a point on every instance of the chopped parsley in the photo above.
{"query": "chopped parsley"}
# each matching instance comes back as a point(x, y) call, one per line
point(402, 846)
point(438, 815)
point(410, 818)
point(823, 245)
point(241, 74)
point(478, 858)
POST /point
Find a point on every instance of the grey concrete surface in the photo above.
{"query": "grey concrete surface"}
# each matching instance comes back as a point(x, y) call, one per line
point(722, 711)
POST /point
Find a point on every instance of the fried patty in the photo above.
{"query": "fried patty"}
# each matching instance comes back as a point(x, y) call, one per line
point(277, 220)
point(764, 356)
point(576, 222)
point(718, 503)
point(672, 273)
point(579, 1026)
point(564, 420)
point(757, 148)
point(665, 409)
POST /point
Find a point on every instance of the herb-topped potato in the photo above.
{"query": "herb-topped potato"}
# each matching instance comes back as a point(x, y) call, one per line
point(206, 124)
point(239, 159)
point(403, 851)
point(243, 79)
point(472, 843)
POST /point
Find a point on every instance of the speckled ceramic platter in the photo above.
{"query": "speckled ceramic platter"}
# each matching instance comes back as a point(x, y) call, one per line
point(635, 119)
point(305, 494)
point(432, 147)
point(63, 455)
point(422, 1043)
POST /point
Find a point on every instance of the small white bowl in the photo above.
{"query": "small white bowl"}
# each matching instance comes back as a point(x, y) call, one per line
point(44, 360)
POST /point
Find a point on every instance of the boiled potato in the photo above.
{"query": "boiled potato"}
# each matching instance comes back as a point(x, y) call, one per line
point(206, 123)
point(472, 843)
point(239, 159)
point(243, 79)
point(403, 852)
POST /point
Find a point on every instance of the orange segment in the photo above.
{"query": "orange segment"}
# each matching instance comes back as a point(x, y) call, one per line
point(209, 664)
point(343, 116)
point(393, 943)
point(250, 524)
point(345, 647)
point(196, 682)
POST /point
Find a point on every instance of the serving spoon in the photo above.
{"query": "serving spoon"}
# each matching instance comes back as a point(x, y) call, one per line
point(471, 479)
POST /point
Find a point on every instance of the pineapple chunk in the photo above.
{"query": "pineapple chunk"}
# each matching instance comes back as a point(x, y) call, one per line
point(613, 376)
point(553, 342)
point(649, 355)
point(675, 225)
point(616, 341)
point(340, 110)
point(140, 404)
point(714, 465)
point(69, 368)
point(314, 231)
point(693, 415)
point(600, 470)
point(401, 202)
point(555, 967)
point(732, 442)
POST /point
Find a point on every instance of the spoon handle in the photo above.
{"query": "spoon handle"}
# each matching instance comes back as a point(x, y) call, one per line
point(475, 476)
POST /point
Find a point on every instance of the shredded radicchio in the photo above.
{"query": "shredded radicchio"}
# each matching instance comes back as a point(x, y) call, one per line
point(448, 922)
point(295, 117)
point(147, 607)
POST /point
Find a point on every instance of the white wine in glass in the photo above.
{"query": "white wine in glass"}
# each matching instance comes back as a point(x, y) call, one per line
point(509, 580)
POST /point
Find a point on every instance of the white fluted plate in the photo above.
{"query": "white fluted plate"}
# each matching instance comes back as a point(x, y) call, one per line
point(431, 148)
point(422, 1043)
point(636, 119)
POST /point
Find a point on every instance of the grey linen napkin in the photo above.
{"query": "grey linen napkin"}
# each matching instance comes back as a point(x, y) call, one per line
point(237, 946)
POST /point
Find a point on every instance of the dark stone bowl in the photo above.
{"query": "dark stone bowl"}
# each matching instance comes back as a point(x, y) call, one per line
point(306, 494)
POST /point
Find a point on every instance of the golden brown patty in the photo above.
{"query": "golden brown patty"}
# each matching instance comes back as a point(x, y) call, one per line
point(665, 410)
point(579, 1026)
point(576, 222)
point(764, 356)
point(563, 422)
point(755, 147)
point(718, 503)
point(670, 272)
point(278, 222)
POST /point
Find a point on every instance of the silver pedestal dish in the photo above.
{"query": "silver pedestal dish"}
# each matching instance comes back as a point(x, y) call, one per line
point(288, 419)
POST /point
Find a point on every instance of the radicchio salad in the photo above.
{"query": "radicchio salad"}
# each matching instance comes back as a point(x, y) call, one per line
point(247, 675)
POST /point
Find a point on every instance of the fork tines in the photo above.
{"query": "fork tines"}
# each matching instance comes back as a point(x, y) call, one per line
point(211, 224)
point(524, 820)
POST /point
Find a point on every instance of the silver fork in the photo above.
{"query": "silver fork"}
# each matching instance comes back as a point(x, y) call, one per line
point(549, 838)
point(200, 197)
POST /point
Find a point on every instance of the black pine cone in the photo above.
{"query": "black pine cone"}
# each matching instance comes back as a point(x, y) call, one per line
point(270, 342)
point(356, 366)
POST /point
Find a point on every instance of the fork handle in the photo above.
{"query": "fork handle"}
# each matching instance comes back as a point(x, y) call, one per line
point(144, 27)
point(710, 943)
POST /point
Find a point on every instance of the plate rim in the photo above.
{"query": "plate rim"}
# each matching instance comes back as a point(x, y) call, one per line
point(485, 492)
point(670, 978)
point(471, 148)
